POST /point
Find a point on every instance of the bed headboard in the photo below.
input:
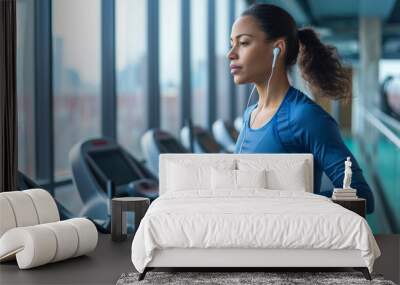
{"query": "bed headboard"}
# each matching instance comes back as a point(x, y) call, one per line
point(211, 159)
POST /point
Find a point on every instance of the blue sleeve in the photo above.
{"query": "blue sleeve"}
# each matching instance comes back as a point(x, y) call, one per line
point(241, 134)
point(318, 133)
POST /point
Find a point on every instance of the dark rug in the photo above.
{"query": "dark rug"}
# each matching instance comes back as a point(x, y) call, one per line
point(226, 278)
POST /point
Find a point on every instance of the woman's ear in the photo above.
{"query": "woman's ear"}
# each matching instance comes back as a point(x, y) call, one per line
point(281, 44)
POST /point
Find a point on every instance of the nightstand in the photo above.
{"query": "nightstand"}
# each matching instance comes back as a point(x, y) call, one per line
point(119, 207)
point(357, 205)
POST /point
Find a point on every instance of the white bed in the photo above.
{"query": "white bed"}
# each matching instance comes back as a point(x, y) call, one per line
point(213, 224)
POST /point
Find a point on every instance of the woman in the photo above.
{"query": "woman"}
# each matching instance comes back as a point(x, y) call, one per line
point(285, 120)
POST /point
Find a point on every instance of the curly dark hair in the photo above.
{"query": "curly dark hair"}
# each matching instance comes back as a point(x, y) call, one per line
point(320, 64)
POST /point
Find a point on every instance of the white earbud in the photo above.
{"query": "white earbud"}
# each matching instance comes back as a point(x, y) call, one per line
point(276, 52)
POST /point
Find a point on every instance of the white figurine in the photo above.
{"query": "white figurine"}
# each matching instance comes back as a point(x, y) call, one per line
point(347, 174)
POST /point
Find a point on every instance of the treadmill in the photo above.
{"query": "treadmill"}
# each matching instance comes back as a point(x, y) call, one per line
point(101, 170)
point(225, 134)
point(238, 124)
point(202, 140)
point(156, 141)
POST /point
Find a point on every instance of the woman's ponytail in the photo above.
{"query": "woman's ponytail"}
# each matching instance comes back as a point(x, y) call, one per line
point(321, 67)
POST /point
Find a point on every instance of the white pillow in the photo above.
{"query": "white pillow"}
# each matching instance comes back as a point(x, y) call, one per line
point(223, 179)
point(281, 175)
point(189, 175)
point(227, 179)
point(293, 179)
point(183, 178)
point(251, 178)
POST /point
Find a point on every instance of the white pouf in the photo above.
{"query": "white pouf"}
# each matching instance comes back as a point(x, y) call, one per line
point(31, 231)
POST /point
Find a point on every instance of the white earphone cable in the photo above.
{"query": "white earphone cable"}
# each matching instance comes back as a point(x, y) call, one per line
point(248, 102)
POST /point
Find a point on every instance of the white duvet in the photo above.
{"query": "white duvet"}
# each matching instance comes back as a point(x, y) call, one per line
point(250, 218)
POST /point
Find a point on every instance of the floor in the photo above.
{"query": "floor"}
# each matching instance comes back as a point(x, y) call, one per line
point(103, 266)
point(111, 259)
point(389, 262)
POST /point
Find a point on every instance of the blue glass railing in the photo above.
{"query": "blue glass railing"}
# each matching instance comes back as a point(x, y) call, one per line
point(380, 143)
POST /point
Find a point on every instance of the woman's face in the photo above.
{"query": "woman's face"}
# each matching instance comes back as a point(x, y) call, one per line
point(251, 54)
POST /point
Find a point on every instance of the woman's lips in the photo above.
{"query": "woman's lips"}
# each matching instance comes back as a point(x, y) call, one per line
point(235, 69)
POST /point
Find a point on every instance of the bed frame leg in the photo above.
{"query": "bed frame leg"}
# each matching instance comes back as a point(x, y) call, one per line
point(143, 274)
point(364, 271)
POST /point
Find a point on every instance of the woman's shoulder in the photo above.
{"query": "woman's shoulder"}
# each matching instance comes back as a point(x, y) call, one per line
point(302, 122)
point(304, 112)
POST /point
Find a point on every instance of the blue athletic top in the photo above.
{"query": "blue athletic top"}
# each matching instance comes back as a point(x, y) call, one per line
point(302, 126)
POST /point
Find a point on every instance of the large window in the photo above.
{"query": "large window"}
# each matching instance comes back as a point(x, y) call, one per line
point(223, 31)
point(25, 86)
point(198, 43)
point(242, 90)
point(131, 57)
point(76, 76)
point(170, 58)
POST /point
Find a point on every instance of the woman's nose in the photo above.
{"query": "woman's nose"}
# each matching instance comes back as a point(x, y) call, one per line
point(232, 54)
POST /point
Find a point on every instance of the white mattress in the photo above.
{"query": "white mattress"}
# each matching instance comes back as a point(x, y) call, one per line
point(250, 219)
